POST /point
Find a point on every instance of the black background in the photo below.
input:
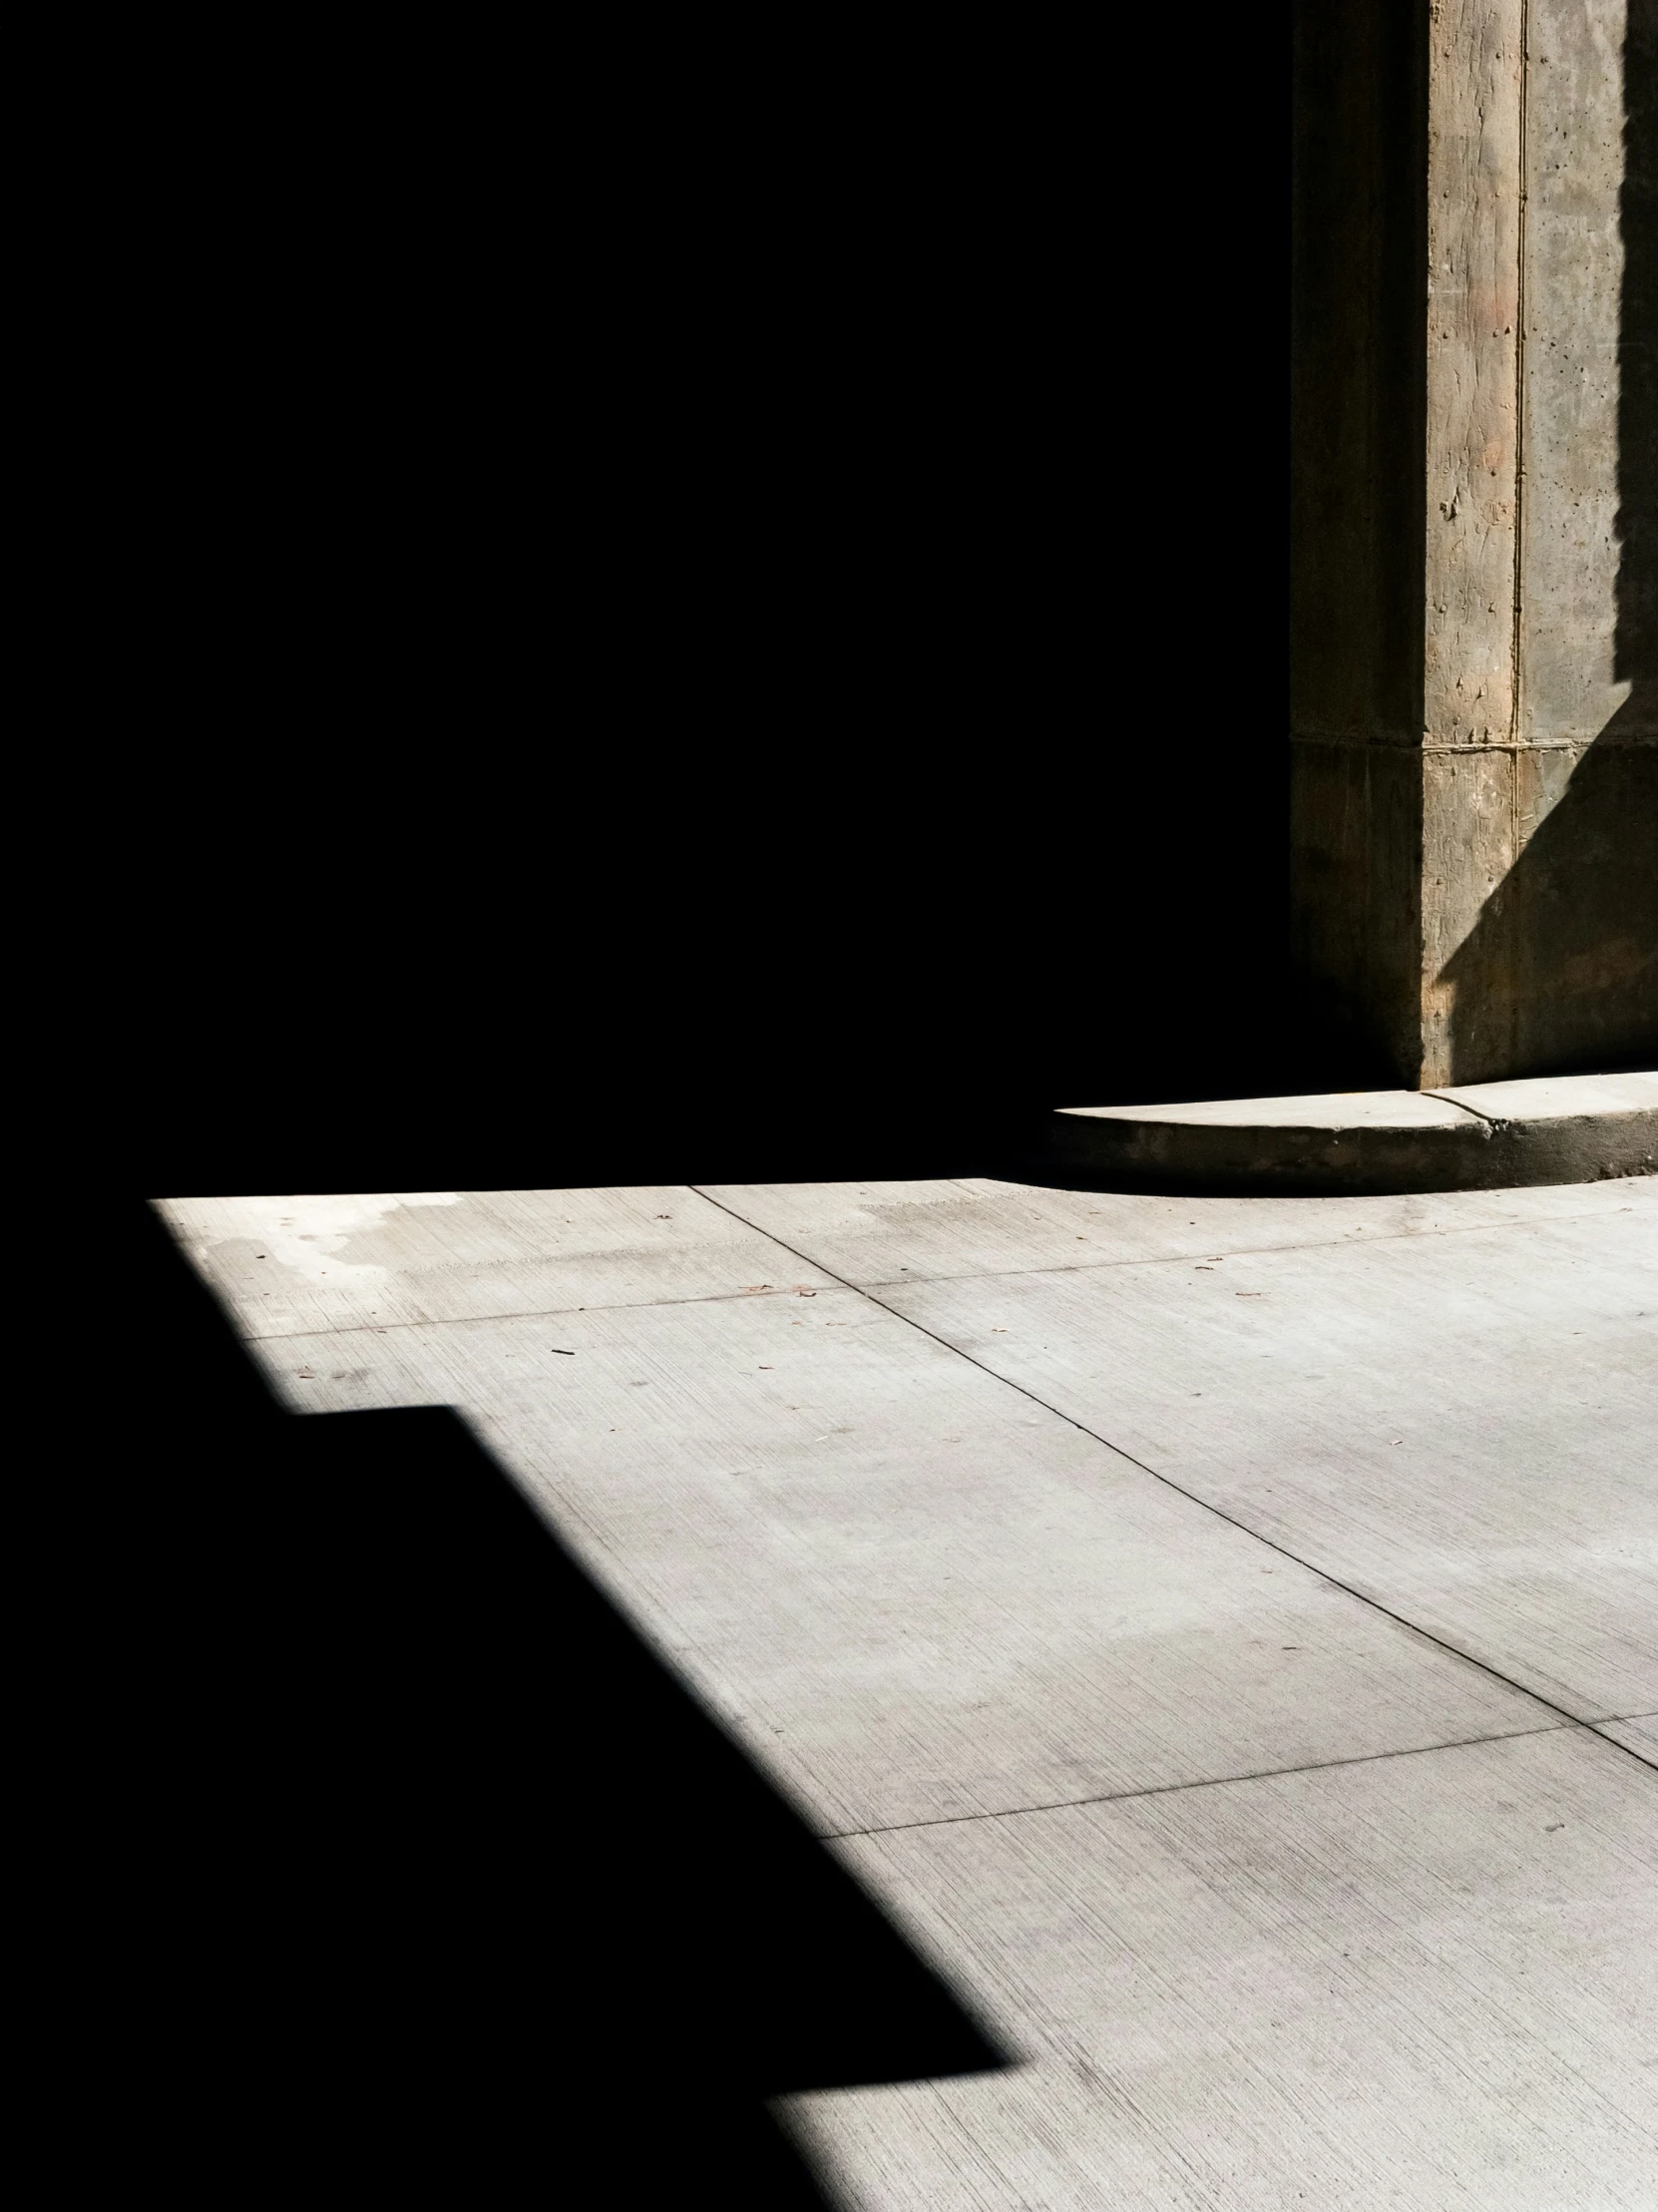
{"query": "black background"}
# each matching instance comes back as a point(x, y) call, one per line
point(726, 622)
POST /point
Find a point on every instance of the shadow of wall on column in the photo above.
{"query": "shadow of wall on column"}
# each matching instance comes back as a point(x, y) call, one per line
point(1561, 972)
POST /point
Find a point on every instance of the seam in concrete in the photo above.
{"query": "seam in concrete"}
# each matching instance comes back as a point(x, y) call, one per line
point(1516, 641)
point(1469, 750)
point(897, 1283)
point(1570, 1135)
point(528, 1313)
point(1562, 741)
point(1335, 1582)
point(1240, 1251)
point(1204, 1782)
point(1492, 1120)
point(1644, 1758)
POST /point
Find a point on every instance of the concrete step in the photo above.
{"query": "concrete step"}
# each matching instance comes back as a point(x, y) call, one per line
point(1489, 1136)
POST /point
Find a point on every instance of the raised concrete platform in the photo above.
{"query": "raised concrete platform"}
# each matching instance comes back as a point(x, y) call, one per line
point(1479, 1136)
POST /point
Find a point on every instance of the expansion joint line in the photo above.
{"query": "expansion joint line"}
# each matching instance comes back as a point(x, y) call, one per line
point(1441, 1643)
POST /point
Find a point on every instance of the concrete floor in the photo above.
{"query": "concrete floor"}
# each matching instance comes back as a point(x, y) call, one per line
point(961, 1503)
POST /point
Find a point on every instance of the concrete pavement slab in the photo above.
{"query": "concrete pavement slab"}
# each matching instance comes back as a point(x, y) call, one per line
point(1637, 1732)
point(879, 1232)
point(1461, 1427)
point(915, 1594)
point(1411, 1984)
point(290, 1266)
point(1150, 1790)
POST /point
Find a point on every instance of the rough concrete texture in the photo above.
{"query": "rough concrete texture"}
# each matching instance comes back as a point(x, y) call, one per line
point(1221, 1629)
point(1568, 1128)
point(1475, 94)
point(1570, 545)
point(1475, 792)
point(1560, 967)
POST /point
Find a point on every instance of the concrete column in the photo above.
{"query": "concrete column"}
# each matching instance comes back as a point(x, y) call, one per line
point(1475, 637)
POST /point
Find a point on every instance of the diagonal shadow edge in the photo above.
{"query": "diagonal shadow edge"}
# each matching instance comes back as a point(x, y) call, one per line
point(435, 1859)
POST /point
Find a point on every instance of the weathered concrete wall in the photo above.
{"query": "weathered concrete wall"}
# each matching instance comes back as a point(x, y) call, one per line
point(1476, 97)
point(1560, 971)
point(1557, 965)
point(1476, 119)
point(1492, 908)
point(1574, 267)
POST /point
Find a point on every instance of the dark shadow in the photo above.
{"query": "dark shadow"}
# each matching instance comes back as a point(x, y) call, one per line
point(402, 1862)
point(772, 1073)
point(594, 984)
point(829, 731)
point(759, 764)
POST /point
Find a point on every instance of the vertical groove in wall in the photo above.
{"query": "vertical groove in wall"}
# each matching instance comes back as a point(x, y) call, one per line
point(1518, 650)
